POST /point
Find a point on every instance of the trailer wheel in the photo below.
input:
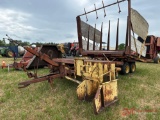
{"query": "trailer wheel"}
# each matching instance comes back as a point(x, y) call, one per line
point(132, 67)
point(125, 68)
point(156, 60)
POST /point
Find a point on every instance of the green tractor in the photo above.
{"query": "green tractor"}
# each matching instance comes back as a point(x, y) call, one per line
point(6, 52)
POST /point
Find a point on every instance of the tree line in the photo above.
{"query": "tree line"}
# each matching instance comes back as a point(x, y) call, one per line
point(22, 43)
point(25, 43)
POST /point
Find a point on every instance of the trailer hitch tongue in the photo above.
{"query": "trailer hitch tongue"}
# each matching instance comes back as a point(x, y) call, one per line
point(22, 85)
point(48, 78)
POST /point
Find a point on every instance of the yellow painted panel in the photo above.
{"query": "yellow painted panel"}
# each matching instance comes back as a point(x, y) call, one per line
point(87, 89)
point(78, 65)
point(112, 71)
point(110, 91)
point(98, 100)
point(100, 72)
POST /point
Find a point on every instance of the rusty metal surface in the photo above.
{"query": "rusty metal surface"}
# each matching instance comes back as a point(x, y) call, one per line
point(129, 27)
point(86, 90)
point(140, 25)
point(40, 79)
point(51, 51)
point(20, 65)
point(117, 36)
point(106, 95)
point(79, 33)
point(88, 39)
point(151, 47)
point(64, 60)
point(126, 42)
point(85, 28)
point(104, 6)
point(158, 41)
point(99, 61)
point(94, 38)
point(110, 92)
point(100, 47)
point(97, 52)
point(42, 54)
point(97, 102)
point(28, 56)
point(26, 60)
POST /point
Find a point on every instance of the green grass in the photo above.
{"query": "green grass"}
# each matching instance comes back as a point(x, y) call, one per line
point(139, 91)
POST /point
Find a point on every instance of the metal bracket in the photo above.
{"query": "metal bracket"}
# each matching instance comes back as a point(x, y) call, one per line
point(104, 9)
point(96, 11)
point(119, 7)
point(85, 15)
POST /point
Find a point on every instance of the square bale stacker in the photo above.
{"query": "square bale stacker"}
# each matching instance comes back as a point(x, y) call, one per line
point(95, 71)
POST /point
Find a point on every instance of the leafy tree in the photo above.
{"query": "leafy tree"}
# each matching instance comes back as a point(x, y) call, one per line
point(25, 43)
point(2, 43)
point(121, 46)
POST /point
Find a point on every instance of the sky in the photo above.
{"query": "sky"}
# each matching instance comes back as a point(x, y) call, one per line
point(55, 20)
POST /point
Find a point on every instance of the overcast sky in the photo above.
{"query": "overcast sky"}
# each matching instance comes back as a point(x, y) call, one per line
point(55, 20)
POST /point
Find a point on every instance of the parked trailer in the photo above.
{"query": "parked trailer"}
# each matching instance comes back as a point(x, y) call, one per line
point(122, 58)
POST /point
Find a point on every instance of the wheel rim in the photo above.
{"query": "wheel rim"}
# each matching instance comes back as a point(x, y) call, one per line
point(10, 54)
point(127, 69)
point(133, 67)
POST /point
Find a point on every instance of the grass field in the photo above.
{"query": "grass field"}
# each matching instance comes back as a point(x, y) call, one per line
point(139, 95)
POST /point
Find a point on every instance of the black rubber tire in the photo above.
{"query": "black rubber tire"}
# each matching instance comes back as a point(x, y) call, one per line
point(125, 69)
point(132, 67)
point(9, 53)
point(156, 60)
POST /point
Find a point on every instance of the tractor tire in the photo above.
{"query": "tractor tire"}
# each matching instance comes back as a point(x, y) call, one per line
point(156, 60)
point(9, 53)
point(125, 69)
point(132, 67)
